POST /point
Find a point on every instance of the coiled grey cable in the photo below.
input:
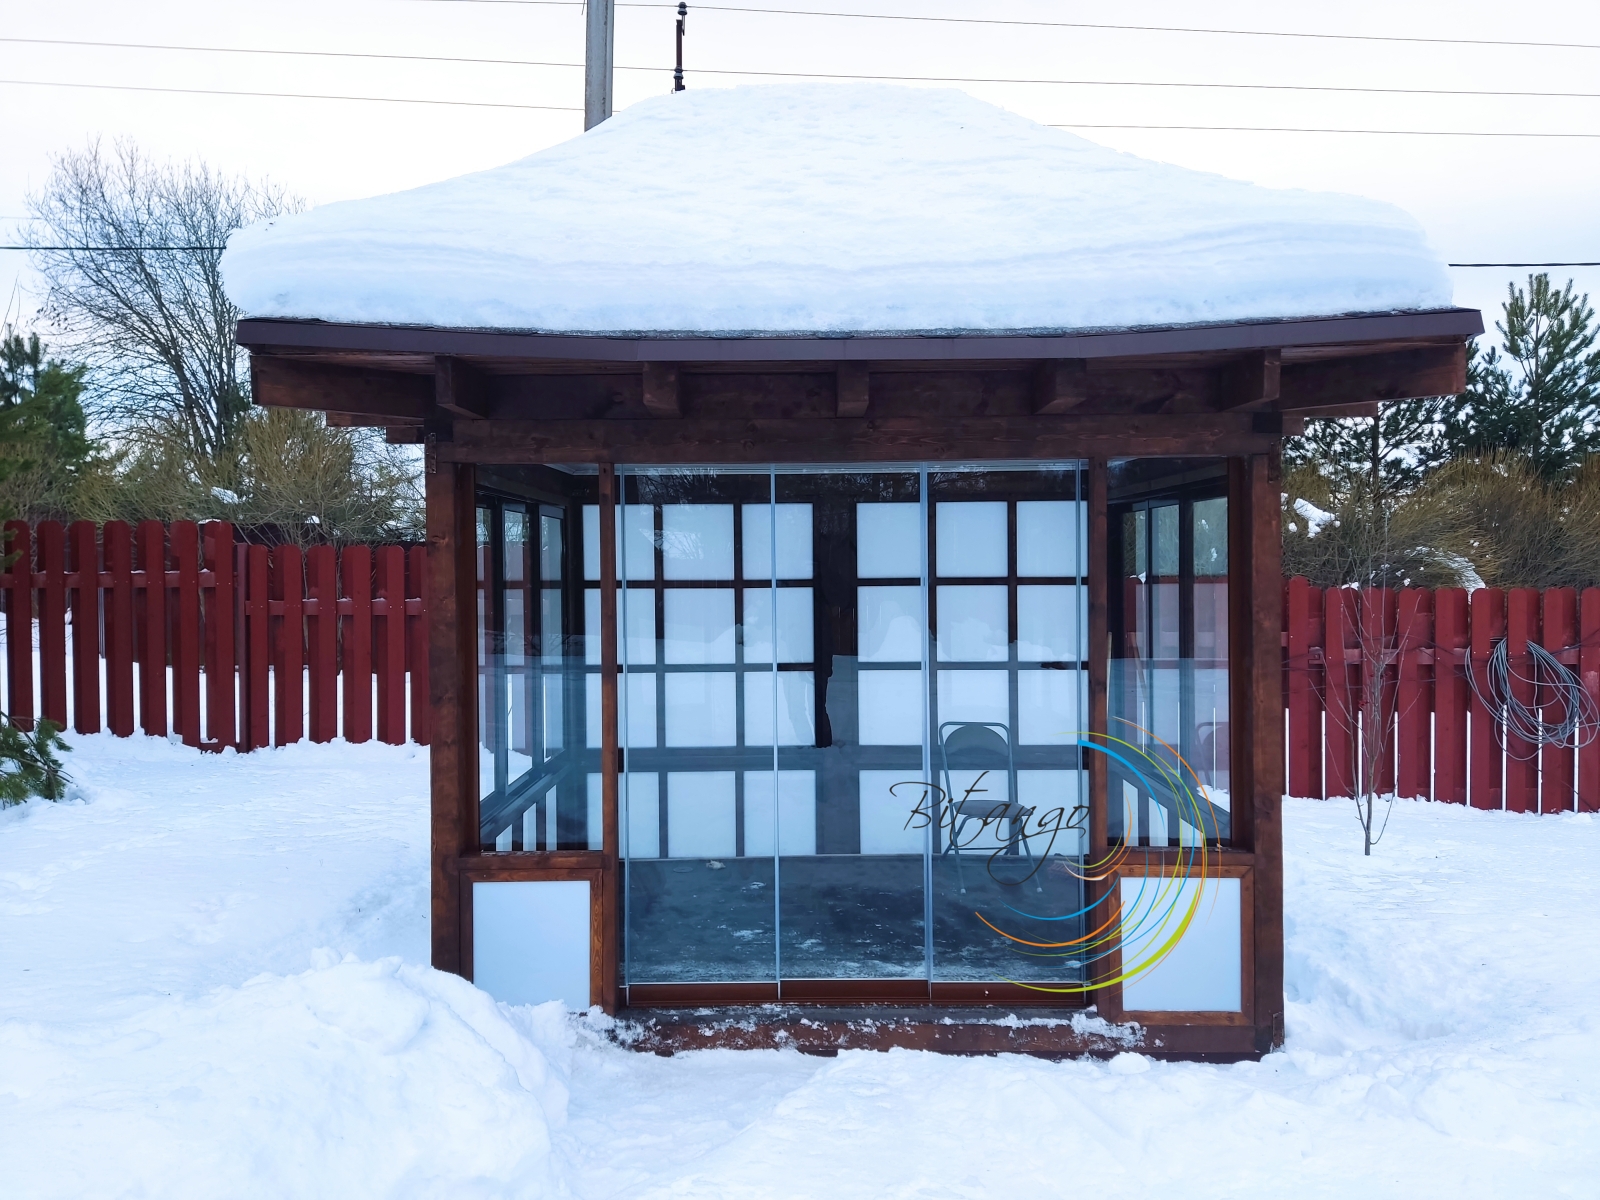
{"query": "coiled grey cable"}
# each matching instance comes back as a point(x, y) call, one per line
point(1552, 683)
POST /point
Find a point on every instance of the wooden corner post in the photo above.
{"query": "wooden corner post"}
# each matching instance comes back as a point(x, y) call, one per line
point(1257, 700)
point(451, 585)
point(1109, 1000)
point(610, 753)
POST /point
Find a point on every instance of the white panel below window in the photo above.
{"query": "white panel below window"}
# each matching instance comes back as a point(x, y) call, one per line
point(890, 708)
point(796, 804)
point(1202, 972)
point(701, 821)
point(889, 800)
point(530, 941)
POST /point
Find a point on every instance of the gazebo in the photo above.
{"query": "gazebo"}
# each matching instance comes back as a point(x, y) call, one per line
point(854, 583)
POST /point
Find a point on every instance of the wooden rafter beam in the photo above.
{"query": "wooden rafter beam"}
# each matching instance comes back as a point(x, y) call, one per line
point(662, 395)
point(1060, 385)
point(355, 391)
point(1374, 378)
point(459, 389)
point(692, 440)
point(853, 390)
point(1252, 381)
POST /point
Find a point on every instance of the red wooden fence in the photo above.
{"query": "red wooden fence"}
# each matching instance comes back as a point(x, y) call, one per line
point(238, 645)
point(225, 644)
point(1402, 658)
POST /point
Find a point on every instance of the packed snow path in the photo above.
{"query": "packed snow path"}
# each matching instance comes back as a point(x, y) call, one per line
point(212, 983)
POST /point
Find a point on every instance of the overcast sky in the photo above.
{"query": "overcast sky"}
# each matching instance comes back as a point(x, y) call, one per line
point(1480, 198)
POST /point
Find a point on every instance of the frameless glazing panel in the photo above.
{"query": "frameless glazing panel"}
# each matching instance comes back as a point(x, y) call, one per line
point(1169, 688)
point(636, 543)
point(851, 889)
point(1012, 801)
point(795, 611)
point(698, 719)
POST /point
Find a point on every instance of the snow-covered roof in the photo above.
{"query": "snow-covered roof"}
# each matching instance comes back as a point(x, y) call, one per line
point(833, 209)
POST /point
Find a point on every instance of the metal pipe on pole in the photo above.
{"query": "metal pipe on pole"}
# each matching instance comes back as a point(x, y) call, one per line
point(599, 47)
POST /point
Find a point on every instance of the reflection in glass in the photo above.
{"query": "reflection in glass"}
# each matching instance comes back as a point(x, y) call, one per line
point(1169, 667)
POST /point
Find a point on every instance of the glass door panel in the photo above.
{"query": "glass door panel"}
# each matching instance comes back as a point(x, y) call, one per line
point(1008, 594)
point(849, 668)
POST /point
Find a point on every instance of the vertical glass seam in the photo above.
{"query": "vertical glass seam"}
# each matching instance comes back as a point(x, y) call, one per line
point(777, 807)
point(929, 681)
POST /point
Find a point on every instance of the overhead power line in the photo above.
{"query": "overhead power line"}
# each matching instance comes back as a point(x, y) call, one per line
point(1488, 133)
point(128, 87)
point(1527, 264)
point(522, 62)
point(1199, 29)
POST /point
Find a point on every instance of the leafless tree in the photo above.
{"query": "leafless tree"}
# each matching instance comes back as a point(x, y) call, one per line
point(131, 250)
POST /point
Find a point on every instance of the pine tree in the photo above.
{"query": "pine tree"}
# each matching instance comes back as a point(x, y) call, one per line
point(1542, 397)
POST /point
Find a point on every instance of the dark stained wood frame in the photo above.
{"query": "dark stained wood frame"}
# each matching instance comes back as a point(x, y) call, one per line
point(540, 867)
point(484, 397)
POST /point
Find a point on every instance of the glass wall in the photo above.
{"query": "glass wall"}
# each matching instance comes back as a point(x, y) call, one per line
point(1168, 544)
point(850, 705)
point(537, 775)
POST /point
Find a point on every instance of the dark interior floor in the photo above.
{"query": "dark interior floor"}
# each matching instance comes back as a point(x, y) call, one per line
point(849, 917)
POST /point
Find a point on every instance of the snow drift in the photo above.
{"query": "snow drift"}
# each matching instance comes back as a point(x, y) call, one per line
point(833, 208)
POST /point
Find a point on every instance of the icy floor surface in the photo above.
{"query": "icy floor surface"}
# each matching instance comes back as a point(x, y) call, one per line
point(212, 983)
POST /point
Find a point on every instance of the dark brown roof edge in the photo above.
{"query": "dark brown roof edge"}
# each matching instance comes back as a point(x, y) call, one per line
point(258, 333)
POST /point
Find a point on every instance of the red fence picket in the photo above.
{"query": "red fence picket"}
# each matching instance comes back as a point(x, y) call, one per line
point(184, 627)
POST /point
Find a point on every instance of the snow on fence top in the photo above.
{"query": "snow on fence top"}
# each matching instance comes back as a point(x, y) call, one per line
point(825, 208)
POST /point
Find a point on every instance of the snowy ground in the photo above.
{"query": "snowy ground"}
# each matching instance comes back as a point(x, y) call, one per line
point(212, 983)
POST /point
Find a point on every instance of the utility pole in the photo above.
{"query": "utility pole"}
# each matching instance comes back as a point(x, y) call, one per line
point(599, 44)
point(683, 19)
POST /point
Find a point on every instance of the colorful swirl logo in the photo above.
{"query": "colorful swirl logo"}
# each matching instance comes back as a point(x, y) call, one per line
point(1146, 929)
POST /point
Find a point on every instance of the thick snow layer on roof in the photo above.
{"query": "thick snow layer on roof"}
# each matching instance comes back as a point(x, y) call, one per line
point(825, 208)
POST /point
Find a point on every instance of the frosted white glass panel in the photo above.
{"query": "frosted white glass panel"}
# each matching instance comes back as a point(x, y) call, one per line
point(971, 537)
point(890, 705)
point(636, 615)
point(796, 625)
point(797, 698)
point(886, 813)
point(1202, 972)
point(697, 541)
point(554, 688)
point(889, 625)
point(889, 541)
point(530, 941)
point(1050, 707)
point(1047, 792)
point(797, 812)
point(639, 815)
point(1048, 620)
point(699, 625)
point(972, 623)
point(1049, 537)
point(974, 696)
point(636, 720)
point(701, 709)
point(701, 822)
point(636, 541)
point(794, 541)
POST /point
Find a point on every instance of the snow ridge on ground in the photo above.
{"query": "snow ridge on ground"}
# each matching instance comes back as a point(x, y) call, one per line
point(213, 982)
point(834, 208)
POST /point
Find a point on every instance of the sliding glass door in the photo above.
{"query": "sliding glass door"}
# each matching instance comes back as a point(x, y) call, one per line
point(850, 706)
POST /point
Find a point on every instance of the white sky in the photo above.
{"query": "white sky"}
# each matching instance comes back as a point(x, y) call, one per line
point(1515, 199)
